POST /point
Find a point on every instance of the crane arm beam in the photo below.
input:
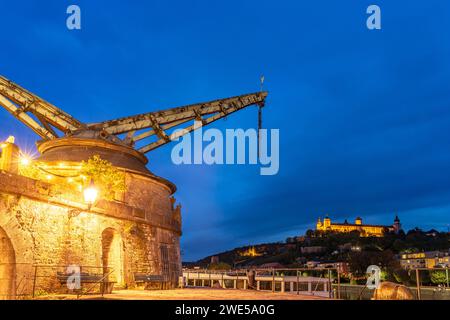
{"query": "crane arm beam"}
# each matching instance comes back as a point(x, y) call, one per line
point(222, 111)
point(45, 119)
point(180, 114)
point(26, 119)
point(21, 101)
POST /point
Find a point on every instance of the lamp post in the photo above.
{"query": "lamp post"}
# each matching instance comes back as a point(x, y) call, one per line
point(90, 194)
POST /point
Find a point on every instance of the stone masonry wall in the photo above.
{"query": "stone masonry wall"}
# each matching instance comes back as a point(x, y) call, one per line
point(50, 232)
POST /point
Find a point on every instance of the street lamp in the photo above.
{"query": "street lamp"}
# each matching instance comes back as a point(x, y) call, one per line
point(90, 194)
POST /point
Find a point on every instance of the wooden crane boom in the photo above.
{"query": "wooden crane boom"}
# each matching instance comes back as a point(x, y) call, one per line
point(160, 121)
point(43, 118)
point(22, 104)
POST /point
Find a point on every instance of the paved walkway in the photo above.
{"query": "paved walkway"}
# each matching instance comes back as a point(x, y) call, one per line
point(196, 294)
point(206, 294)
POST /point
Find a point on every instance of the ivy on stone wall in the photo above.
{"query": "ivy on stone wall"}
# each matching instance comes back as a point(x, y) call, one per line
point(108, 179)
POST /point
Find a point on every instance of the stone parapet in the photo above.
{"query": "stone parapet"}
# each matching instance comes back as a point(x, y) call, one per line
point(42, 191)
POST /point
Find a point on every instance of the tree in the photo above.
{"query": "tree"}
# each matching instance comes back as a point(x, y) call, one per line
point(438, 277)
point(219, 266)
point(398, 245)
point(107, 178)
point(359, 261)
point(401, 276)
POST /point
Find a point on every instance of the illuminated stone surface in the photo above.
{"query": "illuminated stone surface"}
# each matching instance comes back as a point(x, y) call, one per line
point(197, 294)
point(41, 226)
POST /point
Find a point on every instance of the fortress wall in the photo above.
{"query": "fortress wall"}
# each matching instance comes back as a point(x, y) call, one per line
point(154, 197)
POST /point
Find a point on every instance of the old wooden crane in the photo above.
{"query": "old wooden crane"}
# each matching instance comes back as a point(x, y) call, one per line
point(132, 232)
point(51, 123)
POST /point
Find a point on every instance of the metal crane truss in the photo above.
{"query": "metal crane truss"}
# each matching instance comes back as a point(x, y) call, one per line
point(23, 105)
point(45, 119)
point(161, 121)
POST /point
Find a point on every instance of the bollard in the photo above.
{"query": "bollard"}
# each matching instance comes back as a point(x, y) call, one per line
point(181, 282)
point(418, 284)
point(273, 280)
point(338, 285)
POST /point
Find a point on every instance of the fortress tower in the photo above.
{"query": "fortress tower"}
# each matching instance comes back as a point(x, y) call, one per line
point(397, 225)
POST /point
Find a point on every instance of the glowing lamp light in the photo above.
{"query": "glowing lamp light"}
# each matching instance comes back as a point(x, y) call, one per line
point(90, 194)
point(24, 160)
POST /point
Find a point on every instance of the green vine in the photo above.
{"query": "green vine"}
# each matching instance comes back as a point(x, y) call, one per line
point(108, 179)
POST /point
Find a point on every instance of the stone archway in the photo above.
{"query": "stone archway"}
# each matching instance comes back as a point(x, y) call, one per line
point(113, 256)
point(7, 267)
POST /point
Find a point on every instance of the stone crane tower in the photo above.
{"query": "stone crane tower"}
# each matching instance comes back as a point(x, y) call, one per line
point(44, 230)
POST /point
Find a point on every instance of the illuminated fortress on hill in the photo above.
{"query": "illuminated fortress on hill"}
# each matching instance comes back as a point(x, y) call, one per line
point(365, 230)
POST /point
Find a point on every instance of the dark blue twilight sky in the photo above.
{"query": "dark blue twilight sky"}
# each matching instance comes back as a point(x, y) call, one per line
point(364, 116)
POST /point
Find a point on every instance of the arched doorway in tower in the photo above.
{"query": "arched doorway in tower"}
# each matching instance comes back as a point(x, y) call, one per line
point(112, 256)
point(7, 267)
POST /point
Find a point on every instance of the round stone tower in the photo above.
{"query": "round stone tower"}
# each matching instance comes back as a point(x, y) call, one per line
point(135, 234)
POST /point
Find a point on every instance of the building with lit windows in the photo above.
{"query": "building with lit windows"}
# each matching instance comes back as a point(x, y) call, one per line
point(365, 230)
point(429, 259)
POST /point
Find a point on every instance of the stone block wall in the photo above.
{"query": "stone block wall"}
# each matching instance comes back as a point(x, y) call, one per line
point(42, 233)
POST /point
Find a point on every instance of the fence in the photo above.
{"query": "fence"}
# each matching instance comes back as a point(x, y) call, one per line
point(15, 280)
point(169, 274)
point(431, 284)
point(424, 283)
point(295, 281)
point(25, 280)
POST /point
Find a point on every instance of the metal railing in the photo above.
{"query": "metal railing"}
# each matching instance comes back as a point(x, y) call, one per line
point(170, 274)
point(53, 279)
point(431, 282)
point(420, 281)
point(317, 281)
point(28, 281)
point(14, 284)
point(102, 282)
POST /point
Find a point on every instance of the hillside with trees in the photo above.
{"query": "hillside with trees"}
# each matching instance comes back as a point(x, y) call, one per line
point(358, 251)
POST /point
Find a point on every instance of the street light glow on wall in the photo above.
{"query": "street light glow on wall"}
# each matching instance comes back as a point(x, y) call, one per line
point(25, 160)
point(90, 194)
